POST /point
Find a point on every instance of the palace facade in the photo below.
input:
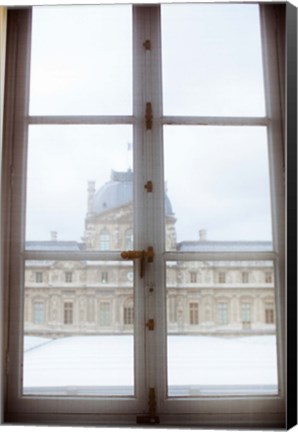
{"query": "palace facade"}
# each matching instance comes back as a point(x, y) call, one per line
point(91, 297)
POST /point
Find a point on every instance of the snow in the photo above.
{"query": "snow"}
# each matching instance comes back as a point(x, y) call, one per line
point(107, 362)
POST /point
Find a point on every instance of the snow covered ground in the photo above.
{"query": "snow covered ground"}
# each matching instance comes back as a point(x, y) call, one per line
point(106, 362)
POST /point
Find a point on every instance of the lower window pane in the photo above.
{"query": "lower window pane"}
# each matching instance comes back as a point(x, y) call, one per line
point(221, 328)
point(78, 328)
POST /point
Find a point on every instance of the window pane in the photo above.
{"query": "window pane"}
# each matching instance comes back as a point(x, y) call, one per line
point(81, 60)
point(212, 61)
point(218, 183)
point(79, 340)
point(221, 337)
point(77, 177)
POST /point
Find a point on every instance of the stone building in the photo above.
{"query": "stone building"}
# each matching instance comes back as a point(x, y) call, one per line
point(91, 297)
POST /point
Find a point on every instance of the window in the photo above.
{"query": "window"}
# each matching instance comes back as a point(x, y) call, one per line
point(68, 313)
point(268, 277)
point(38, 312)
point(269, 313)
point(195, 89)
point(104, 314)
point(128, 315)
point(221, 277)
point(104, 277)
point(193, 313)
point(128, 239)
point(246, 314)
point(104, 240)
point(245, 277)
point(38, 277)
point(68, 277)
point(193, 277)
point(222, 310)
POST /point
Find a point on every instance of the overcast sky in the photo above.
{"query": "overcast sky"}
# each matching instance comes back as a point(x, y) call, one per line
point(217, 178)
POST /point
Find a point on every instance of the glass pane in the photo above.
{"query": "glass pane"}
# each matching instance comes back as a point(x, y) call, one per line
point(79, 187)
point(212, 62)
point(81, 60)
point(78, 328)
point(221, 327)
point(218, 184)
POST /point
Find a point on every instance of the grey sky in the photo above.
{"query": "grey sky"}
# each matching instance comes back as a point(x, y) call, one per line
point(217, 177)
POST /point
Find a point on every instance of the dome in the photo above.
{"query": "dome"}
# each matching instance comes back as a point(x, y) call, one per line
point(118, 192)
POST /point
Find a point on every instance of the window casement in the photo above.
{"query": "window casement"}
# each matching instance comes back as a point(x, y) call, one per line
point(104, 240)
point(104, 314)
point(245, 277)
point(193, 277)
point(194, 313)
point(269, 313)
point(104, 277)
point(68, 312)
point(268, 277)
point(222, 313)
point(206, 123)
point(68, 277)
point(38, 312)
point(38, 277)
point(222, 277)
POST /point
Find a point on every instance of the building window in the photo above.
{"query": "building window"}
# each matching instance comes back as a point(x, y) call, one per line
point(245, 277)
point(193, 277)
point(221, 277)
point(104, 314)
point(38, 312)
point(104, 277)
point(68, 277)
point(38, 277)
point(269, 313)
point(246, 312)
point(268, 277)
point(222, 310)
point(128, 315)
point(128, 241)
point(68, 313)
point(194, 313)
point(104, 240)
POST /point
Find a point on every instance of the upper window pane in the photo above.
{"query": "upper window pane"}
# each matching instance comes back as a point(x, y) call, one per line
point(218, 182)
point(81, 61)
point(212, 62)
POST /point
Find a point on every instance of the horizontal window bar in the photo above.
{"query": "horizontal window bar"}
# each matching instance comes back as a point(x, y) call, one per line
point(96, 120)
point(215, 121)
point(72, 255)
point(220, 256)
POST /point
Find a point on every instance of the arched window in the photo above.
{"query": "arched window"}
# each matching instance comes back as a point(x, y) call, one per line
point(104, 240)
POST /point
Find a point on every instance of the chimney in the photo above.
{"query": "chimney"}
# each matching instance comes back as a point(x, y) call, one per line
point(54, 236)
point(203, 235)
point(91, 193)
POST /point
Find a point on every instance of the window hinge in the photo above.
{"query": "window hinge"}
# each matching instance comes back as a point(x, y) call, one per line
point(150, 324)
point(149, 116)
point(151, 418)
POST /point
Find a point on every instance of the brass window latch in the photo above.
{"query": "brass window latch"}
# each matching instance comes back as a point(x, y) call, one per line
point(142, 255)
point(151, 417)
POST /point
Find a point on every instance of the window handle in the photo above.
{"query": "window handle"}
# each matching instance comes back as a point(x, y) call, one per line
point(143, 255)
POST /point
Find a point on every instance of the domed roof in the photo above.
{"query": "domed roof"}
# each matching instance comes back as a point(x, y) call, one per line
point(118, 192)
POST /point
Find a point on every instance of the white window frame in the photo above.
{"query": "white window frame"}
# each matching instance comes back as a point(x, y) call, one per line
point(260, 411)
